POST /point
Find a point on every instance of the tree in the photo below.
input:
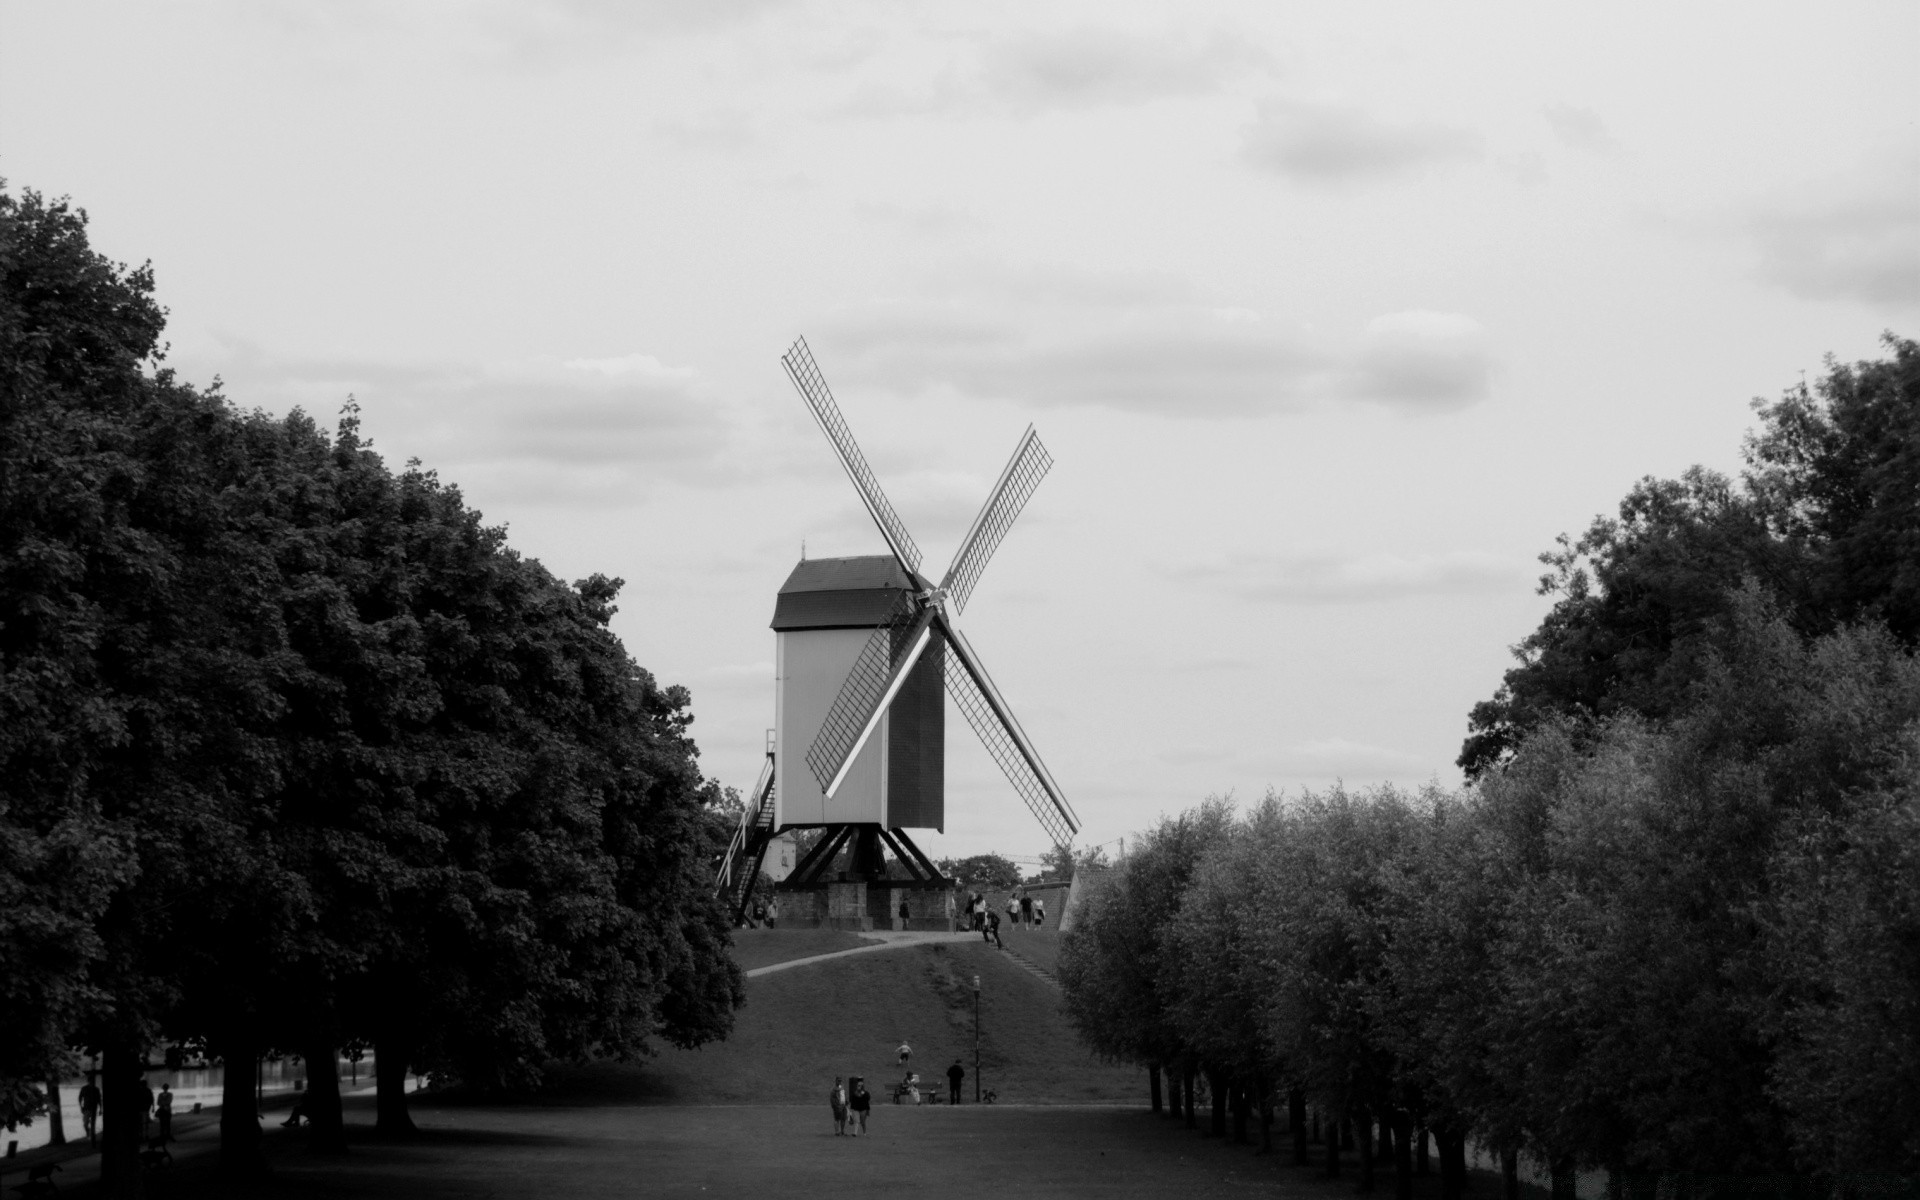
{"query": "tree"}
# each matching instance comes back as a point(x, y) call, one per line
point(991, 872)
point(1825, 517)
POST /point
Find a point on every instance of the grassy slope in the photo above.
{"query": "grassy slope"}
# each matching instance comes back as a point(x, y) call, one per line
point(1041, 947)
point(804, 1026)
point(764, 947)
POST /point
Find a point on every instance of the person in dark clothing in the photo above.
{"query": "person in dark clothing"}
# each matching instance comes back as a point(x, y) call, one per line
point(992, 931)
point(861, 1102)
point(90, 1107)
point(1026, 909)
point(955, 1074)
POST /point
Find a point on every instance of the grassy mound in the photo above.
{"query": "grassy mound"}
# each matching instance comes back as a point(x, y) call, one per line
point(764, 947)
point(846, 1017)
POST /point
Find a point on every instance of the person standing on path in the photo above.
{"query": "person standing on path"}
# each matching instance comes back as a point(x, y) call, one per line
point(1026, 909)
point(1039, 912)
point(90, 1107)
point(1013, 910)
point(861, 1102)
point(163, 1104)
point(837, 1101)
point(146, 1111)
point(773, 912)
point(955, 1074)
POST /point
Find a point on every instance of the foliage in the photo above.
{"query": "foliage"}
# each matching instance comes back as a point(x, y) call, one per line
point(298, 750)
point(988, 872)
point(1826, 517)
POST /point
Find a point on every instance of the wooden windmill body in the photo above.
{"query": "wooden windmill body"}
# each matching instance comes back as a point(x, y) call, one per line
point(864, 647)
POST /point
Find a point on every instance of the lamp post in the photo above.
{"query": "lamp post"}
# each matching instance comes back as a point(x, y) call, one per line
point(976, 1039)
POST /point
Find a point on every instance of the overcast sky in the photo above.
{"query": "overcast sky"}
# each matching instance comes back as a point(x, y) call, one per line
point(1331, 316)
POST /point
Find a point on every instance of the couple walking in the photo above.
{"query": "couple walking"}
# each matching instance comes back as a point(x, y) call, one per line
point(850, 1106)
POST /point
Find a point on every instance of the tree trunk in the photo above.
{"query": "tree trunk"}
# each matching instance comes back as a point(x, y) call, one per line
point(391, 1056)
point(1217, 1092)
point(1186, 1082)
point(1297, 1121)
point(1363, 1135)
point(1453, 1163)
point(328, 1134)
point(1153, 1085)
point(1346, 1133)
point(1425, 1164)
point(1264, 1091)
point(1510, 1174)
point(120, 1176)
point(56, 1120)
point(1403, 1156)
point(1333, 1149)
point(240, 1151)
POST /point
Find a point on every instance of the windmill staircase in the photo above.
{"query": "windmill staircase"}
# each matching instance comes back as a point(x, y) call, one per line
point(1033, 968)
point(740, 865)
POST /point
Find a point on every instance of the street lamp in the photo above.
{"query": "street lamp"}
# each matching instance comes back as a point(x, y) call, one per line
point(976, 1039)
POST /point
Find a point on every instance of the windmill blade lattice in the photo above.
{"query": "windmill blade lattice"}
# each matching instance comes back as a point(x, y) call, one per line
point(857, 707)
point(806, 376)
point(976, 697)
point(1028, 466)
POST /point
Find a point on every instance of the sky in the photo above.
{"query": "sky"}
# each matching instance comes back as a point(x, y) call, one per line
point(1331, 316)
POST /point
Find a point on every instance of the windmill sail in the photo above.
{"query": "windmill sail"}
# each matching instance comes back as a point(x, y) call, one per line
point(1028, 466)
point(806, 376)
point(875, 679)
point(973, 691)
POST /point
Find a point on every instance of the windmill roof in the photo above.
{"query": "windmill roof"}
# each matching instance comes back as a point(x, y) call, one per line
point(840, 593)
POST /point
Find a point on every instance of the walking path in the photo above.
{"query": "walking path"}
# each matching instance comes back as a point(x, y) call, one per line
point(882, 939)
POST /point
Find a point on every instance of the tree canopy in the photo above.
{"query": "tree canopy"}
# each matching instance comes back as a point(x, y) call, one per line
point(297, 749)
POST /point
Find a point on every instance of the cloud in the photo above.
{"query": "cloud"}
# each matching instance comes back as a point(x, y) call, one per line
point(1853, 238)
point(536, 429)
point(1309, 577)
point(1034, 73)
point(1335, 144)
point(1146, 351)
point(1580, 128)
point(1092, 67)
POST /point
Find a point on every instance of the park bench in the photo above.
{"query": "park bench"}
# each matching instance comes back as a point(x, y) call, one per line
point(39, 1180)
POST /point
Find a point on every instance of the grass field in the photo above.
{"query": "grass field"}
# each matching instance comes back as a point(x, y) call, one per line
point(764, 947)
point(804, 1026)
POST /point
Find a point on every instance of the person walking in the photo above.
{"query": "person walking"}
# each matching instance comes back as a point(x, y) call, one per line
point(1013, 910)
point(90, 1107)
point(1039, 912)
point(977, 906)
point(163, 1105)
point(1026, 908)
point(773, 912)
point(861, 1102)
point(955, 1074)
point(837, 1101)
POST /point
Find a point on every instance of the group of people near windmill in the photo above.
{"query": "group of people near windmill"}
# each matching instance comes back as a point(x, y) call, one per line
point(1022, 909)
point(852, 1103)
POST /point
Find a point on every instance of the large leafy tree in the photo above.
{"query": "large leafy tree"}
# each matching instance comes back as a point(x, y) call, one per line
point(1826, 517)
point(298, 750)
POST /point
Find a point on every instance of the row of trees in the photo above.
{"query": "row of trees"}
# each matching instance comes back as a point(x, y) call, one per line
point(1674, 924)
point(298, 752)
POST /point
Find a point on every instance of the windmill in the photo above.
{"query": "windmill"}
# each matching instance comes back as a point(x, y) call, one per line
point(863, 648)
